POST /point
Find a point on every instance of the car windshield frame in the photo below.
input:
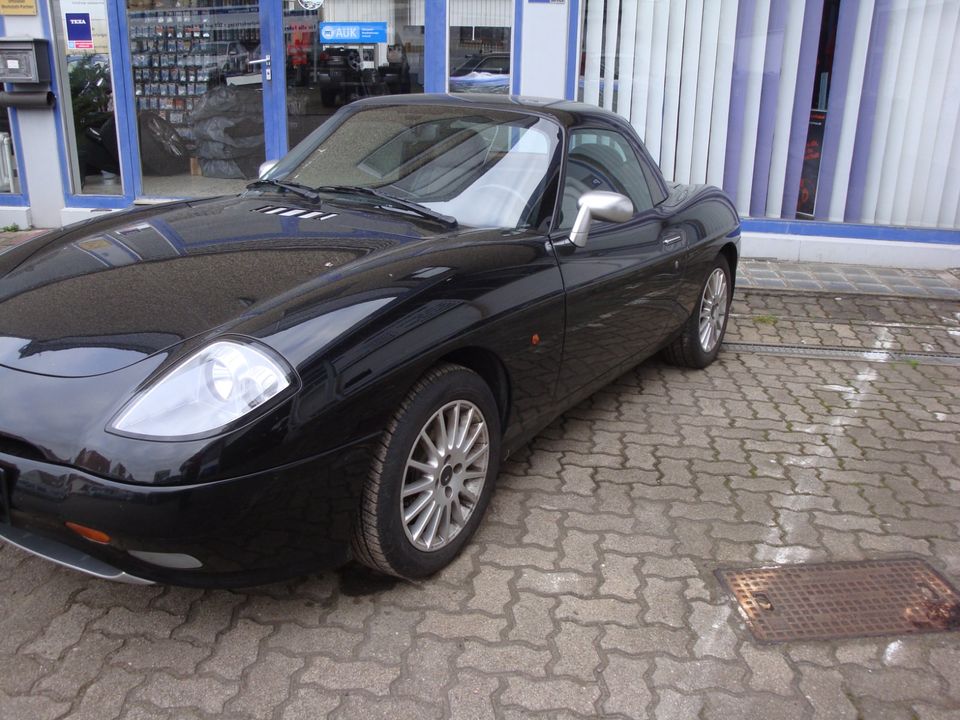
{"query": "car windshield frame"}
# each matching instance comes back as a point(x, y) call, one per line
point(511, 159)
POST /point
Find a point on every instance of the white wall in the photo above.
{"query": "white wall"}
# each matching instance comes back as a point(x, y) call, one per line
point(544, 47)
point(40, 161)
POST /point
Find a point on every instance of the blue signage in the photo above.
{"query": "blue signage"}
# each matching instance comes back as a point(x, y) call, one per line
point(79, 31)
point(359, 32)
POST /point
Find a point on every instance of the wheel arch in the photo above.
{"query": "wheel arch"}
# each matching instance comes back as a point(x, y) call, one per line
point(488, 365)
point(729, 251)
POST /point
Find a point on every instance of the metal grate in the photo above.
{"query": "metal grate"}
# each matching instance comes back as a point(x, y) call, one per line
point(836, 353)
point(843, 600)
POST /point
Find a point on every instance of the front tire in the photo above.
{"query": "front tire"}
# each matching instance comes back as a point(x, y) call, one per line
point(702, 335)
point(432, 475)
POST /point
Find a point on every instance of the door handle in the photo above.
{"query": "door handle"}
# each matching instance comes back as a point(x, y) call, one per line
point(671, 238)
point(260, 61)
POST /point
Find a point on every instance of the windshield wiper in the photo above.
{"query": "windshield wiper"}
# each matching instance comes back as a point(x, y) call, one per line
point(447, 220)
point(296, 188)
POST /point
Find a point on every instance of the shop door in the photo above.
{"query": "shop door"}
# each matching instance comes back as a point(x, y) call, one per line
point(200, 86)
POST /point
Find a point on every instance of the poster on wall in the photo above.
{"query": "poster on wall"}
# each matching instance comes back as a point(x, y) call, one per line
point(18, 7)
point(85, 27)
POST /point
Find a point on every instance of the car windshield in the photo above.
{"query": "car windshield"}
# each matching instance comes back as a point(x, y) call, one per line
point(485, 168)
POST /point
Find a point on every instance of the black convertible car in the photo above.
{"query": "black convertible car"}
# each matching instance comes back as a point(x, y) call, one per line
point(334, 363)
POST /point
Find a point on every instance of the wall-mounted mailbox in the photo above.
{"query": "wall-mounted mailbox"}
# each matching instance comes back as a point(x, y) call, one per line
point(24, 60)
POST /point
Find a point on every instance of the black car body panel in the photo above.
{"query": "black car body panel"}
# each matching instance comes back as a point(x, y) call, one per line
point(360, 299)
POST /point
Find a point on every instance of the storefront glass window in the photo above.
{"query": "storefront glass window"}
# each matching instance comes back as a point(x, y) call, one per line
point(199, 103)
point(480, 41)
point(83, 53)
point(345, 50)
point(9, 177)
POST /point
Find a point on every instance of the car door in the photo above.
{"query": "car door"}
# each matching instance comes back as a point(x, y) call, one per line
point(621, 288)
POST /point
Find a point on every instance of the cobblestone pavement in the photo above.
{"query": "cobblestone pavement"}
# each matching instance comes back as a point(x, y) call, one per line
point(589, 590)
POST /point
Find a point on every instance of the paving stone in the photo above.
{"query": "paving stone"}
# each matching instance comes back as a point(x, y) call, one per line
point(722, 706)
point(508, 658)
point(532, 619)
point(361, 706)
point(627, 695)
point(890, 684)
point(35, 707)
point(471, 697)
point(338, 675)
point(544, 695)
point(696, 675)
point(577, 654)
point(769, 671)
point(80, 665)
point(715, 636)
point(555, 583)
point(619, 575)
point(673, 705)
point(310, 703)
point(665, 602)
point(462, 625)
point(104, 698)
point(266, 686)
point(169, 692)
point(64, 631)
point(140, 653)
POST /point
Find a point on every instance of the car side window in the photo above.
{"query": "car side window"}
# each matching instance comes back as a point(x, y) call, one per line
point(498, 65)
point(601, 160)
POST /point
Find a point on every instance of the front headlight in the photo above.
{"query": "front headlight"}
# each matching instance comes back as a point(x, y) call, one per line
point(211, 389)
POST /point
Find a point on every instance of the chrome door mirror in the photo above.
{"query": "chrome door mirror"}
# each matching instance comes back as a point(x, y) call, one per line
point(600, 204)
point(266, 167)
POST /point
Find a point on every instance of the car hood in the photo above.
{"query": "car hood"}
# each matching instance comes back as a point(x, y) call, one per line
point(102, 296)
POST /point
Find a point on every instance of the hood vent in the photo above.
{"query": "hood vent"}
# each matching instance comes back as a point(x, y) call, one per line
point(294, 212)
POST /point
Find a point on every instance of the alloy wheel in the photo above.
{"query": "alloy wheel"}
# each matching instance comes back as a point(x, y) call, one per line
point(444, 475)
point(713, 310)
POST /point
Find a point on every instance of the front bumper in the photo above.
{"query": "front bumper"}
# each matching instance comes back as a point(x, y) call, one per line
point(255, 528)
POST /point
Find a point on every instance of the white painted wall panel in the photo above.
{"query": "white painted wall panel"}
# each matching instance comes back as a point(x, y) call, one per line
point(851, 112)
point(938, 106)
point(885, 98)
point(628, 39)
point(751, 115)
point(607, 92)
point(671, 89)
point(641, 71)
point(923, 105)
point(896, 135)
point(689, 69)
point(783, 119)
point(726, 37)
point(706, 76)
point(658, 67)
point(592, 49)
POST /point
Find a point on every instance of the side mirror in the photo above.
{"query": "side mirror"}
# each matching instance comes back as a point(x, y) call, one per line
point(600, 204)
point(266, 167)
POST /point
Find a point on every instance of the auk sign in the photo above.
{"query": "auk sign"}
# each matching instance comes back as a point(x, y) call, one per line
point(360, 32)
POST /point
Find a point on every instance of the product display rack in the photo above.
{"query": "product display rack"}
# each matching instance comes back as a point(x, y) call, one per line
point(177, 54)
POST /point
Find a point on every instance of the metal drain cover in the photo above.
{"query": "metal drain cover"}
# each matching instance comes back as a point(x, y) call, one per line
point(843, 600)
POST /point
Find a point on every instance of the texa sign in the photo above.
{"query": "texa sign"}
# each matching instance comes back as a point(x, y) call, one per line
point(345, 32)
point(79, 31)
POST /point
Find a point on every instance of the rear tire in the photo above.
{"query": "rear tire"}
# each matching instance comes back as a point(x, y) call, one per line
point(702, 335)
point(424, 498)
